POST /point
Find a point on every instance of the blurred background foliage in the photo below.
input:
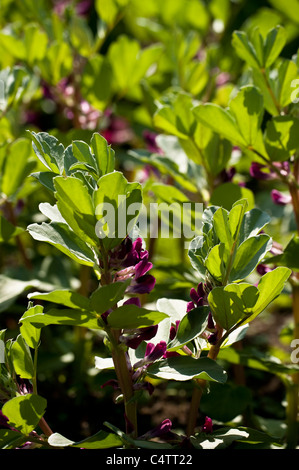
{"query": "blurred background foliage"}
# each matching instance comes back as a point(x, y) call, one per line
point(71, 68)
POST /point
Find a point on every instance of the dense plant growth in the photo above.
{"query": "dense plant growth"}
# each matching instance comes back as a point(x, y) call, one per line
point(149, 224)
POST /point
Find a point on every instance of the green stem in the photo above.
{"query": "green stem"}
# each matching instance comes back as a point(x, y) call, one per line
point(34, 378)
point(45, 427)
point(126, 385)
point(199, 387)
point(120, 362)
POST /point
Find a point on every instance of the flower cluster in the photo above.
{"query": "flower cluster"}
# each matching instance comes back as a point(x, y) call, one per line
point(131, 261)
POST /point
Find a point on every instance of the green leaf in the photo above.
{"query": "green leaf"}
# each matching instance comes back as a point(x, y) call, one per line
point(220, 120)
point(245, 49)
point(232, 401)
point(282, 137)
point(75, 205)
point(273, 45)
point(232, 303)
point(287, 72)
point(8, 230)
point(259, 53)
point(220, 439)
point(10, 439)
point(215, 261)
point(57, 62)
point(109, 9)
point(45, 178)
point(24, 412)
point(270, 287)
point(197, 253)
point(11, 288)
point(227, 194)
point(103, 154)
point(107, 296)
point(247, 109)
point(65, 297)
point(182, 368)
point(129, 62)
point(35, 41)
point(289, 257)
point(100, 440)
point(15, 82)
point(117, 204)
point(131, 317)
point(65, 240)
point(80, 35)
point(260, 361)
point(82, 153)
point(31, 334)
point(175, 308)
point(49, 150)
point(241, 303)
point(252, 223)
point(17, 166)
point(56, 316)
point(96, 81)
point(22, 360)
point(222, 226)
point(174, 115)
point(248, 256)
point(191, 326)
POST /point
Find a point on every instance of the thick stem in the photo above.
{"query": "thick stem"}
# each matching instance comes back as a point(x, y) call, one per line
point(45, 427)
point(126, 385)
point(120, 364)
point(198, 390)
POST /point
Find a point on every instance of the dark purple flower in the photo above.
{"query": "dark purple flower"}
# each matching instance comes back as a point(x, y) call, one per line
point(136, 254)
point(160, 430)
point(152, 353)
point(142, 334)
point(142, 285)
point(207, 426)
point(150, 140)
point(279, 198)
point(173, 330)
point(263, 269)
point(198, 296)
point(170, 354)
point(133, 301)
point(265, 172)
point(212, 339)
point(256, 171)
point(25, 386)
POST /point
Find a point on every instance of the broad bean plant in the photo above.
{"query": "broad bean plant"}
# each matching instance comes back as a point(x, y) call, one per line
point(146, 259)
